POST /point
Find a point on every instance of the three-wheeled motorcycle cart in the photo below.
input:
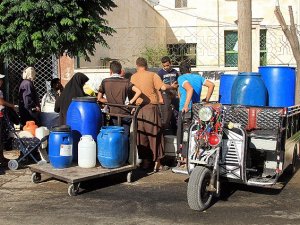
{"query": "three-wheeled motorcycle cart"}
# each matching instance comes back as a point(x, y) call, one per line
point(231, 143)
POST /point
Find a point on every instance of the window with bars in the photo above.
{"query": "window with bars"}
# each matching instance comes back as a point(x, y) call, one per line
point(231, 54)
point(180, 3)
point(263, 47)
point(231, 48)
point(183, 52)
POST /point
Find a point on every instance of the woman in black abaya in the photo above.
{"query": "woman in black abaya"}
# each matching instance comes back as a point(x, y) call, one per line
point(73, 89)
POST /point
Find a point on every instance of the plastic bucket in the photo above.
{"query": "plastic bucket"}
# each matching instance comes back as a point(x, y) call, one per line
point(30, 126)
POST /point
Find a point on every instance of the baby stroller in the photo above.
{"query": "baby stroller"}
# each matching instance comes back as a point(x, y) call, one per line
point(27, 146)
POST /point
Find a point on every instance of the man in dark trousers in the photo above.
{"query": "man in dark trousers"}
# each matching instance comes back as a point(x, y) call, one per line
point(117, 90)
point(169, 76)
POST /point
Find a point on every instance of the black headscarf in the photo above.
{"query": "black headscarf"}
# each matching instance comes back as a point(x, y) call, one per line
point(74, 88)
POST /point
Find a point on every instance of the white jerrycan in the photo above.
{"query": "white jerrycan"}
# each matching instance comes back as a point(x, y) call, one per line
point(87, 152)
point(41, 132)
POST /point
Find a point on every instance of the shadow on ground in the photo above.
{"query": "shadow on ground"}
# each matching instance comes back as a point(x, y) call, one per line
point(111, 180)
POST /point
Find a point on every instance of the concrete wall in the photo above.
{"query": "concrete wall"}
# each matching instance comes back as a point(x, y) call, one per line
point(137, 25)
point(95, 77)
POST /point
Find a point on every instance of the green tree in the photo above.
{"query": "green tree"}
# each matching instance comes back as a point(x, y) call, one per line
point(32, 29)
point(153, 55)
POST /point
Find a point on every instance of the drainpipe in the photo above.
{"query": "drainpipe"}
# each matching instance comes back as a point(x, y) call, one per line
point(218, 18)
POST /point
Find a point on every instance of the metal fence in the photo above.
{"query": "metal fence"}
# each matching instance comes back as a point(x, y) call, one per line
point(46, 69)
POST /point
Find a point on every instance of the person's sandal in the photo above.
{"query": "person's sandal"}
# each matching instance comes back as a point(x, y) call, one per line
point(160, 169)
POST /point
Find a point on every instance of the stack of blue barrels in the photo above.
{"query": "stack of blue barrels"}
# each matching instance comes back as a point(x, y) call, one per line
point(272, 86)
point(84, 117)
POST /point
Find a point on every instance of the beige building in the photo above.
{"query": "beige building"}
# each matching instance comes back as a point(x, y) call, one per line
point(203, 31)
point(206, 32)
point(138, 25)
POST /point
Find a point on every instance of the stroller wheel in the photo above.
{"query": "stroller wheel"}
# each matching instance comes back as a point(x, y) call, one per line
point(13, 164)
point(36, 178)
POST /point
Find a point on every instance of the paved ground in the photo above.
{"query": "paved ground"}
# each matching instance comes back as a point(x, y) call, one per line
point(152, 199)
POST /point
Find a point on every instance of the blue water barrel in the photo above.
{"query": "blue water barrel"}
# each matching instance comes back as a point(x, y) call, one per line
point(249, 89)
point(112, 147)
point(226, 82)
point(280, 82)
point(84, 118)
point(60, 147)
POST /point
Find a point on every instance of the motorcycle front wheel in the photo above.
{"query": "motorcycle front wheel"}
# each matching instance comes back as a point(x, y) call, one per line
point(199, 198)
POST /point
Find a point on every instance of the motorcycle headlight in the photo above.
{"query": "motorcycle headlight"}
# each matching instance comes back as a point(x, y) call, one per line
point(205, 113)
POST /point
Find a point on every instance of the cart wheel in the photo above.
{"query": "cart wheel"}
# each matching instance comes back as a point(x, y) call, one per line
point(199, 198)
point(36, 178)
point(129, 177)
point(293, 167)
point(73, 189)
point(13, 164)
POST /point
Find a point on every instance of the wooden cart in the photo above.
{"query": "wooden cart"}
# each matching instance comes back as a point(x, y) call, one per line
point(74, 175)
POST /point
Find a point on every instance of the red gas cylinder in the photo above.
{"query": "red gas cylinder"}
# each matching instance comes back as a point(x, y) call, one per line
point(30, 126)
point(252, 119)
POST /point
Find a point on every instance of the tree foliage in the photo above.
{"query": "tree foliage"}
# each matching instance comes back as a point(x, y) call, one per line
point(291, 34)
point(32, 29)
point(153, 55)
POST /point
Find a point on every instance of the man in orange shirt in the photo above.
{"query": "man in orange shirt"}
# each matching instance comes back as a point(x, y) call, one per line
point(150, 142)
